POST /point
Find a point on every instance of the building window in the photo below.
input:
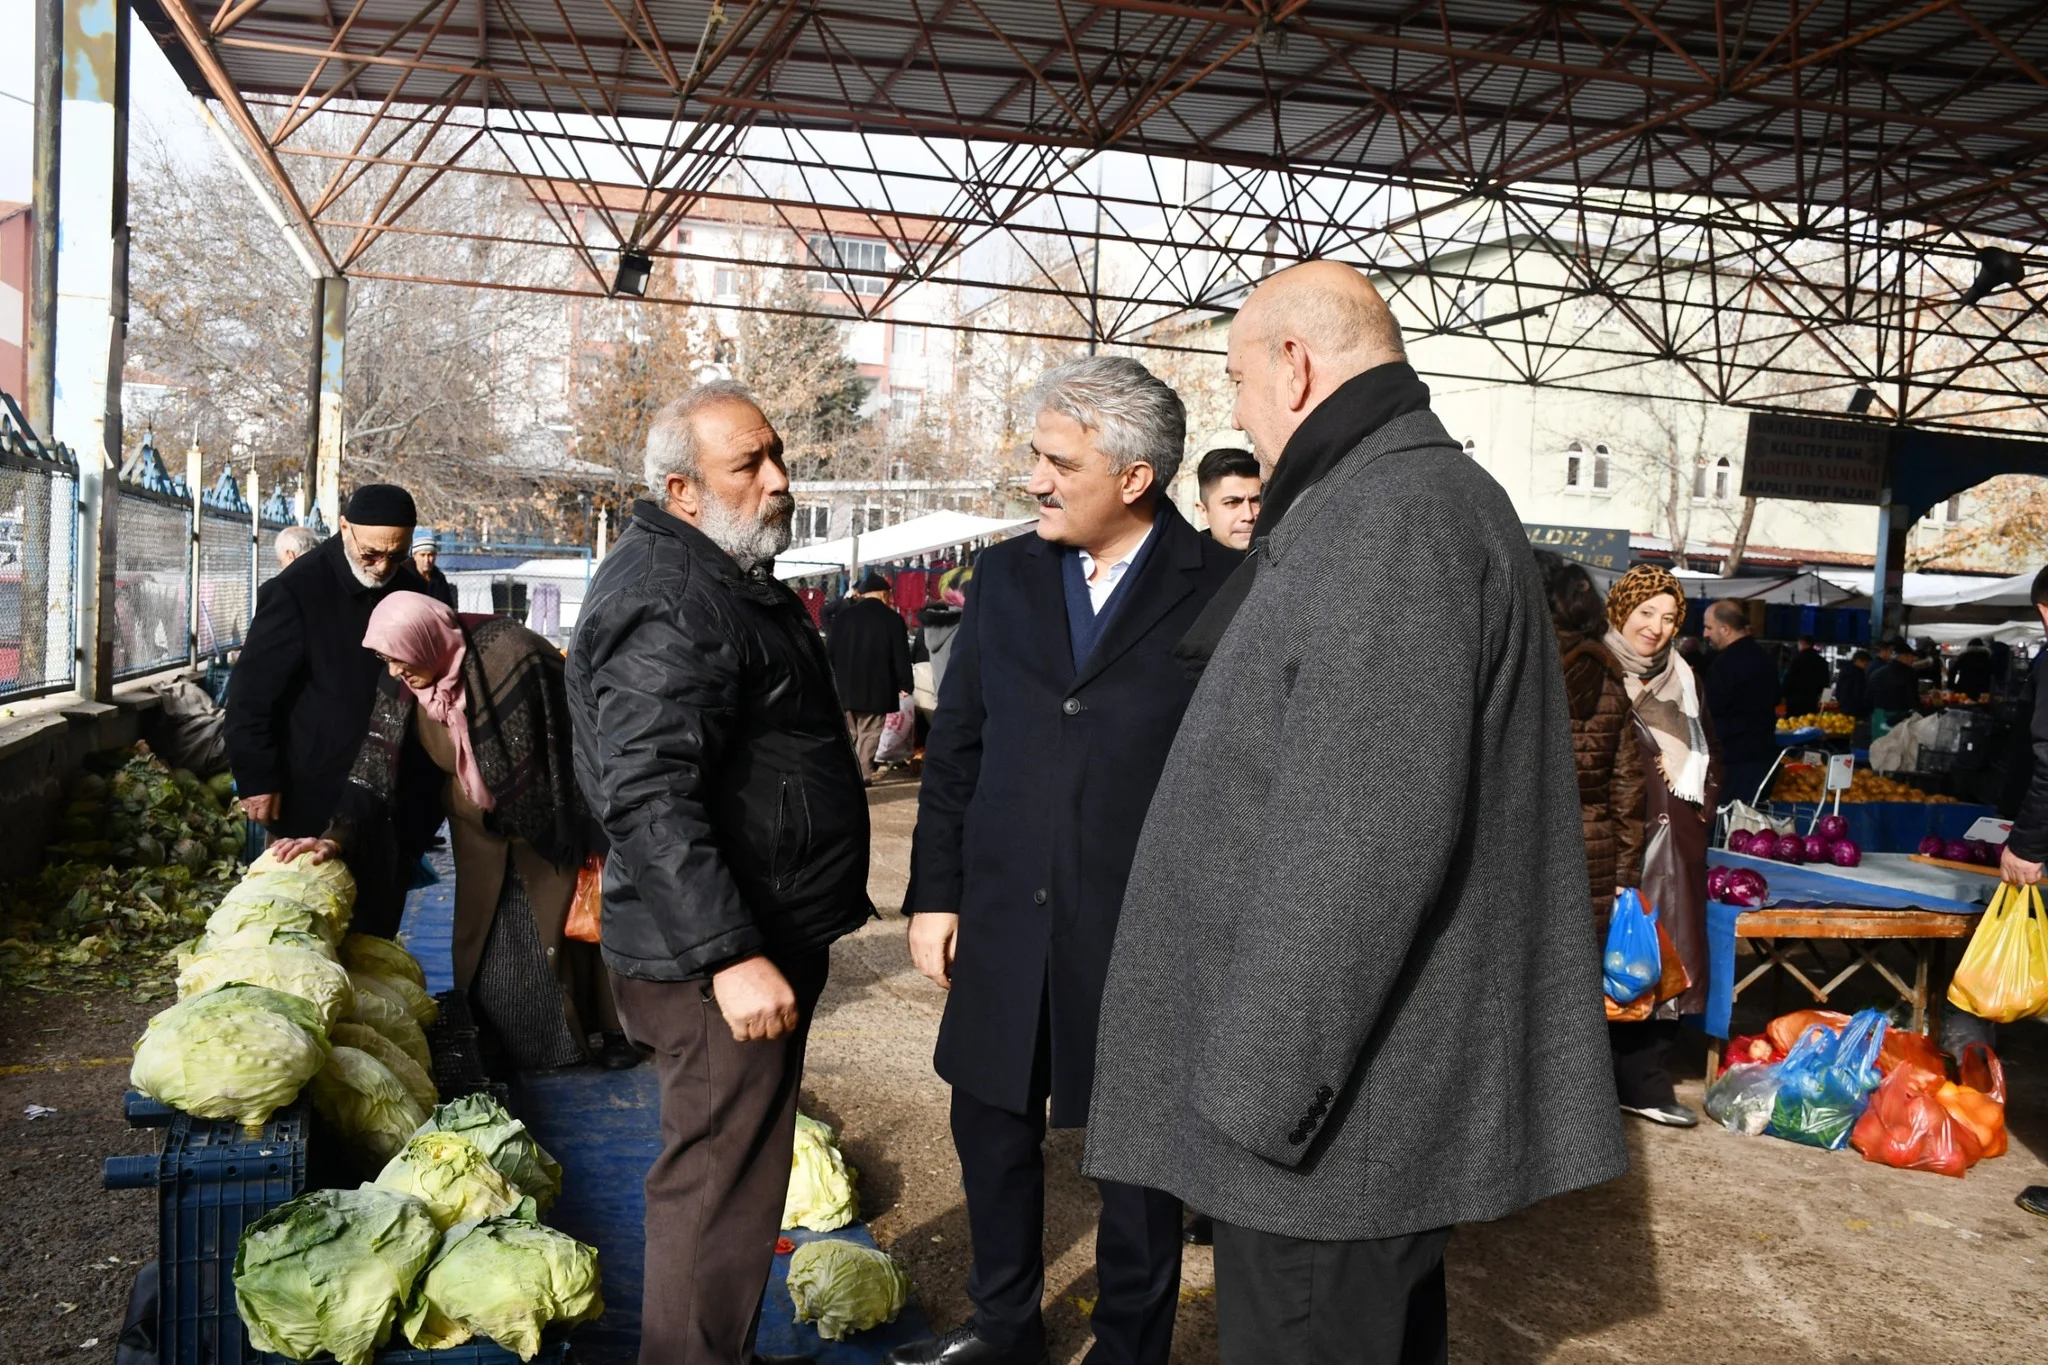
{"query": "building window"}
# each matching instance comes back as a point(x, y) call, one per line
point(725, 283)
point(905, 405)
point(1602, 464)
point(1574, 464)
point(1724, 478)
point(867, 519)
point(906, 338)
point(1947, 513)
point(812, 524)
point(863, 263)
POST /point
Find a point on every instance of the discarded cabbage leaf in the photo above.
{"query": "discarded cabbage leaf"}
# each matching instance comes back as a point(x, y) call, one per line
point(330, 1270)
point(506, 1279)
point(505, 1143)
point(239, 1052)
point(399, 991)
point(452, 1175)
point(820, 1195)
point(381, 956)
point(389, 1018)
point(845, 1287)
point(295, 971)
point(363, 1038)
point(365, 1102)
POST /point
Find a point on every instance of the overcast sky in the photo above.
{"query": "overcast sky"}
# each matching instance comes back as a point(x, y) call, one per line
point(157, 99)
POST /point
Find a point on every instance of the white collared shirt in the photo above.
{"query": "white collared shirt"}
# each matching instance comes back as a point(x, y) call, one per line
point(1100, 588)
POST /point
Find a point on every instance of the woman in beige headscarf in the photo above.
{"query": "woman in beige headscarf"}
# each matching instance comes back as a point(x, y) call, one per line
point(1681, 783)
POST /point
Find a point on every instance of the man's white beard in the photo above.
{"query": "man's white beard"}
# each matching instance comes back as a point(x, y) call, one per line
point(363, 575)
point(749, 541)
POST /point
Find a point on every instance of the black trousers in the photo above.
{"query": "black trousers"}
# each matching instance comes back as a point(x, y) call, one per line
point(1741, 777)
point(1642, 1061)
point(1288, 1301)
point(1137, 1241)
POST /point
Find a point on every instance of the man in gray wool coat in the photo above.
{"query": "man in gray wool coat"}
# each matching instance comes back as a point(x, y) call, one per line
point(1379, 1015)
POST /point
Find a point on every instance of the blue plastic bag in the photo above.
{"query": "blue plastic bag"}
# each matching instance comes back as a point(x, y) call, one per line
point(1825, 1081)
point(1632, 963)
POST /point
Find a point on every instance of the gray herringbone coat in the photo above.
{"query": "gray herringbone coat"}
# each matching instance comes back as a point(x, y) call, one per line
point(1355, 991)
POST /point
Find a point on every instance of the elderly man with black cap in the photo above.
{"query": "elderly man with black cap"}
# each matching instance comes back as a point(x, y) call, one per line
point(870, 649)
point(300, 695)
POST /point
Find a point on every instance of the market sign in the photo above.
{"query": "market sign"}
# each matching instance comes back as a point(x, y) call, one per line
point(1814, 459)
point(1593, 545)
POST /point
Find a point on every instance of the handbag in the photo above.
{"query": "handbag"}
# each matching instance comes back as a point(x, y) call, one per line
point(586, 903)
point(2004, 972)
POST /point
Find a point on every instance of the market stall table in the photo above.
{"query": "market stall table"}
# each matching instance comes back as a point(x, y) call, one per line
point(1886, 907)
point(1888, 826)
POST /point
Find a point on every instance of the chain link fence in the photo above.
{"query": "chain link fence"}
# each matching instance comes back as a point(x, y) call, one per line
point(152, 581)
point(38, 573)
point(224, 549)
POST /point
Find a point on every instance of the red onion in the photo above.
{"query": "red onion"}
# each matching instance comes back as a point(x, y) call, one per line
point(1833, 827)
point(1932, 845)
point(1790, 848)
point(1845, 853)
point(1717, 882)
point(1957, 851)
point(1740, 841)
point(1746, 888)
point(1815, 847)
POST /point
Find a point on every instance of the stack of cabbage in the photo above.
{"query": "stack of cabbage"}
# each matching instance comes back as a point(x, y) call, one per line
point(446, 1239)
point(276, 995)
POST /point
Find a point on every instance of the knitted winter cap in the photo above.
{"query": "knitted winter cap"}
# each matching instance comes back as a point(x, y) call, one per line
point(1638, 586)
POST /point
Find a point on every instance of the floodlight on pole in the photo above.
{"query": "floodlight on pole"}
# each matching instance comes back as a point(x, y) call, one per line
point(1996, 268)
point(635, 268)
point(1860, 401)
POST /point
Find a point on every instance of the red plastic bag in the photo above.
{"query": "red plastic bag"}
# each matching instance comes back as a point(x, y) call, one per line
point(587, 902)
point(1751, 1048)
point(1978, 1100)
point(1908, 1127)
point(1910, 1049)
point(1786, 1029)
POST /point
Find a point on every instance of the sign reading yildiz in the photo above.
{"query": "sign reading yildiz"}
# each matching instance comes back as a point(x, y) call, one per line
point(1814, 459)
point(1595, 546)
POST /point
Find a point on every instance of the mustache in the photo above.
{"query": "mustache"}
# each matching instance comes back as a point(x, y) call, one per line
point(1051, 500)
point(777, 507)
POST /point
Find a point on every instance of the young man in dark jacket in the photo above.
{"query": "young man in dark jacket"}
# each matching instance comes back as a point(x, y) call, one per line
point(1806, 677)
point(710, 743)
point(870, 651)
point(1742, 697)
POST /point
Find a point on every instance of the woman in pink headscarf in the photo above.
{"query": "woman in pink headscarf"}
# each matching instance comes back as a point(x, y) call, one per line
point(484, 698)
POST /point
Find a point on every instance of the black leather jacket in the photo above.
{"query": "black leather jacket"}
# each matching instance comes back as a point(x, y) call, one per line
point(710, 744)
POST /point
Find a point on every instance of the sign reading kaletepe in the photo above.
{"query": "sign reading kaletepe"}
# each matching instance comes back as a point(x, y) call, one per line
point(1814, 459)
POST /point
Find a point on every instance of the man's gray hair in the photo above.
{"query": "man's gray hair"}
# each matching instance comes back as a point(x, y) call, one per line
point(1134, 415)
point(296, 540)
point(672, 439)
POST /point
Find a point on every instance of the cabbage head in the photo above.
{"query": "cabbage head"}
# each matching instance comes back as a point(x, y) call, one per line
point(257, 936)
point(399, 991)
point(506, 1279)
point(295, 971)
point(845, 1287)
point(505, 1143)
point(334, 873)
point(239, 1052)
point(820, 1195)
point(363, 1038)
point(330, 1270)
point(391, 1020)
point(382, 957)
point(453, 1176)
point(365, 1103)
point(238, 914)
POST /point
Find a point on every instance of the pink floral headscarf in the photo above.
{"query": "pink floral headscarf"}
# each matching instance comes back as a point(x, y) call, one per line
point(422, 633)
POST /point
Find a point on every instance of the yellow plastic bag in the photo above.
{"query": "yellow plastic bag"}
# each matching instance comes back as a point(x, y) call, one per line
point(2004, 972)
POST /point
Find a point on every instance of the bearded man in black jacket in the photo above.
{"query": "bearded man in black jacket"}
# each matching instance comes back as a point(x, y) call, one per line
point(710, 744)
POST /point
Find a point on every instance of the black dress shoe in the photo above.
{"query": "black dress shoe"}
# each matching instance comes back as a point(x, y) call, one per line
point(618, 1054)
point(1200, 1231)
point(2034, 1199)
point(962, 1347)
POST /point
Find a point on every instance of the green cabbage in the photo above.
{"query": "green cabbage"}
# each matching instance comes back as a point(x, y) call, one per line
point(365, 1102)
point(295, 971)
point(820, 1195)
point(363, 1038)
point(399, 991)
point(381, 956)
point(452, 1175)
point(504, 1142)
point(256, 936)
point(845, 1287)
point(391, 1020)
point(330, 1270)
point(333, 873)
point(240, 913)
point(506, 1279)
point(239, 1052)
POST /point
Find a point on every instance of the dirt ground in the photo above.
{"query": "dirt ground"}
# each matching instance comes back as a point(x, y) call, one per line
point(1715, 1247)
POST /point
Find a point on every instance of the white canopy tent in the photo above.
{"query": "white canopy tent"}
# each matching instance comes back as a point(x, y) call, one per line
point(923, 535)
point(1944, 589)
point(1802, 589)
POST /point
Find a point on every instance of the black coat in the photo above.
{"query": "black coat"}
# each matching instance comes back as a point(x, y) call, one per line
point(2029, 837)
point(870, 649)
point(1742, 697)
point(1036, 781)
point(710, 745)
point(1852, 690)
point(1894, 689)
point(1806, 677)
point(1970, 672)
point(300, 695)
point(441, 590)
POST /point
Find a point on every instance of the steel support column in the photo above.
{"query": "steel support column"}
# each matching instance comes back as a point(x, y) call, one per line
point(42, 270)
point(91, 319)
point(1888, 570)
point(323, 407)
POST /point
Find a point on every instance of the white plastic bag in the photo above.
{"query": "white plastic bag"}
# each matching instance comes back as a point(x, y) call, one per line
point(899, 734)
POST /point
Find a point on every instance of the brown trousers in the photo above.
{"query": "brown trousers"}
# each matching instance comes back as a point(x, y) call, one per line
point(866, 732)
point(715, 1194)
